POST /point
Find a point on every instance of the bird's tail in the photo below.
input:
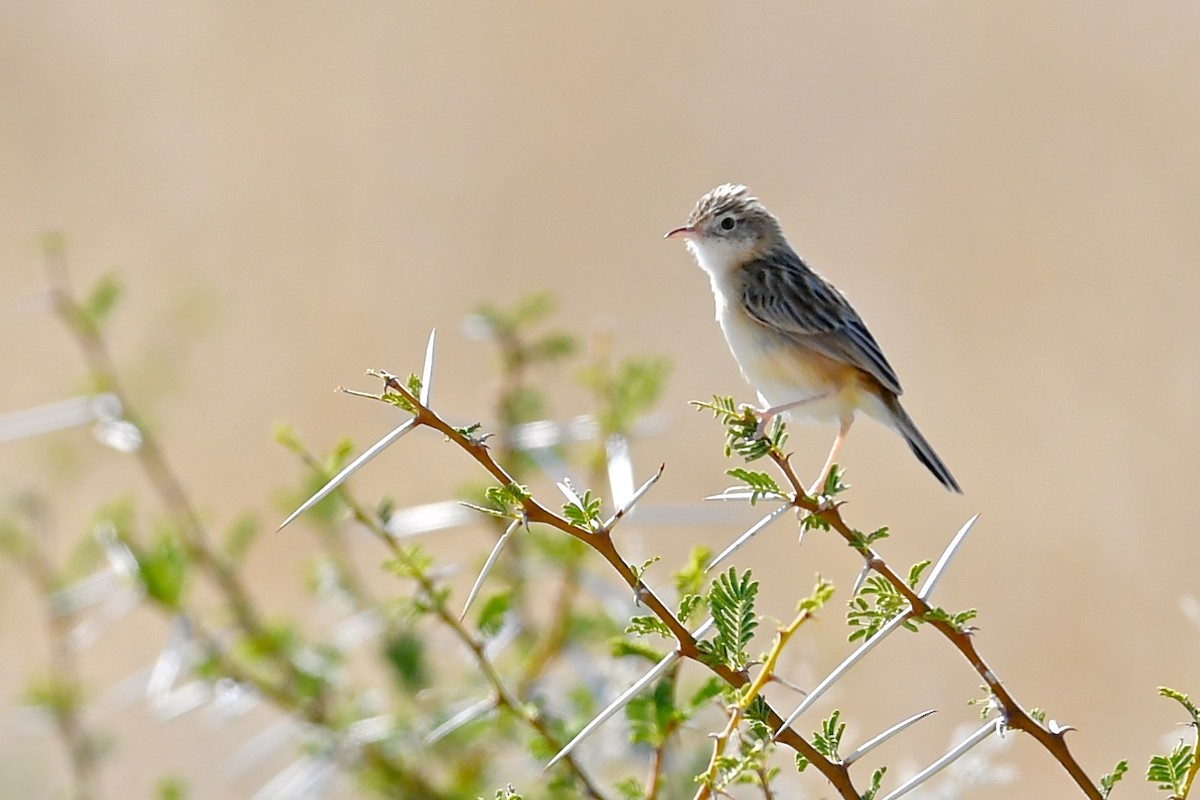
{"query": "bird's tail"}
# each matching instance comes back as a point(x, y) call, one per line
point(920, 446)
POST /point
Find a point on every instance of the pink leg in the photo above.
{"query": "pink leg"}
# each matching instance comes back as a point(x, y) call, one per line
point(837, 445)
point(765, 415)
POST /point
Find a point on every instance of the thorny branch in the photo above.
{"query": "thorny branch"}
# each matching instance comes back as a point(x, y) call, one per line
point(602, 543)
point(1014, 715)
point(504, 698)
point(82, 749)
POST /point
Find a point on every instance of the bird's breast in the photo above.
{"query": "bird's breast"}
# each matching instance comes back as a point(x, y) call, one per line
point(784, 371)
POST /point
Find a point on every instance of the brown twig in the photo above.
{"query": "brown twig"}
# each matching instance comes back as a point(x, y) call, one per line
point(81, 746)
point(601, 542)
point(505, 699)
point(1014, 715)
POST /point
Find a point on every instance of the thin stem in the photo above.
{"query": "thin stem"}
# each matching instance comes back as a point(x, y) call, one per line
point(709, 782)
point(1014, 715)
point(505, 698)
point(64, 669)
point(601, 542)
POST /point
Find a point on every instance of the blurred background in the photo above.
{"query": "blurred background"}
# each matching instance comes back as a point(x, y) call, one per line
point(1008, 191)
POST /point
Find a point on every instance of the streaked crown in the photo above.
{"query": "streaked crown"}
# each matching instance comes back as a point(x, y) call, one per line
point(731, 212)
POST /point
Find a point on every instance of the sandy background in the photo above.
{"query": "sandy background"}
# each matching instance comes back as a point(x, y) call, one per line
point(1009, 191)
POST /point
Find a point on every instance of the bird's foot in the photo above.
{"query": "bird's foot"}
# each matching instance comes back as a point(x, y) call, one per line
point(764, 415)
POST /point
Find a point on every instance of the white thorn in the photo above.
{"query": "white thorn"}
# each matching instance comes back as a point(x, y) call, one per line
point(427, 371)
point(747, 536)
point(350, 469)
point(629, 504)
point(487, 566)
point(871, 744)
point(944, 561)
point(616, 705)
point(841, 669)
point(989, 727)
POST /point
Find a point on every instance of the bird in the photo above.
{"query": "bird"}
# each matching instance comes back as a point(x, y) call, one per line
point(795, 336)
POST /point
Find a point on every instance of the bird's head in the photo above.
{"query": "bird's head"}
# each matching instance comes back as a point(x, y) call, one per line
point(727, 227)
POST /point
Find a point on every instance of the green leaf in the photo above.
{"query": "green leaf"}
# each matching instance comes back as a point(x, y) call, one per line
point(630, 788)
point(821, 595)
point(958, 620)
point(829, 738)
point(876, 781)
point(689, 579)
point(493, 611)
point(731, 600)
point(1183, 700)
point(688, 605)
point(508, 500)
point(171, 787)
point(741, 429)
point(405, 652)
point(914, 572)
point(640, 571)
point(1110, 780)
point(584, 514)
point(876, 603)
point(163, 569)
point(101, 300)
point(704, 694)
point(410, 562)
point(652, 716)
point(620, 648)
point(760, 483)
point(241, 535)
point(647, 625)
point(59, 696)
point(1170, 771)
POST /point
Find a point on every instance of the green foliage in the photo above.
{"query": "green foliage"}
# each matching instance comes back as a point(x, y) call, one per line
point(689, 579)
point(834, 483)
point(653, 716)
point(639, 570)
point(405, 652)
point(688, 605)
point(55, 694)
point(163, 570)
point(828, 739)
point(876, 603)
point(508, 793)
point(584, 512)
point(957, 620)
point(1170, 771)
point(822, 593)
point(242, 534)
point(648, 625)
point(412, 384)
point(876, 782)
point(626, 392)
point(1176, 771)
point(620, 647)
point(862, 541)
point(172, 787)
point(101, 300)
point(508, 501)
point(493, 611)
point(760, 483)
point(1111, 779)
point(630, 788)
point(731, 601)
point(1183, 700)
point(741, 429)
point(411, 561)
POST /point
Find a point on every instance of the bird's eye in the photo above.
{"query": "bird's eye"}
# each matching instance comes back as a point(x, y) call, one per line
point(727, 223)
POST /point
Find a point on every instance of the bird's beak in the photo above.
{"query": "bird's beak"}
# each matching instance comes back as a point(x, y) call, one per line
point(686, 232)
